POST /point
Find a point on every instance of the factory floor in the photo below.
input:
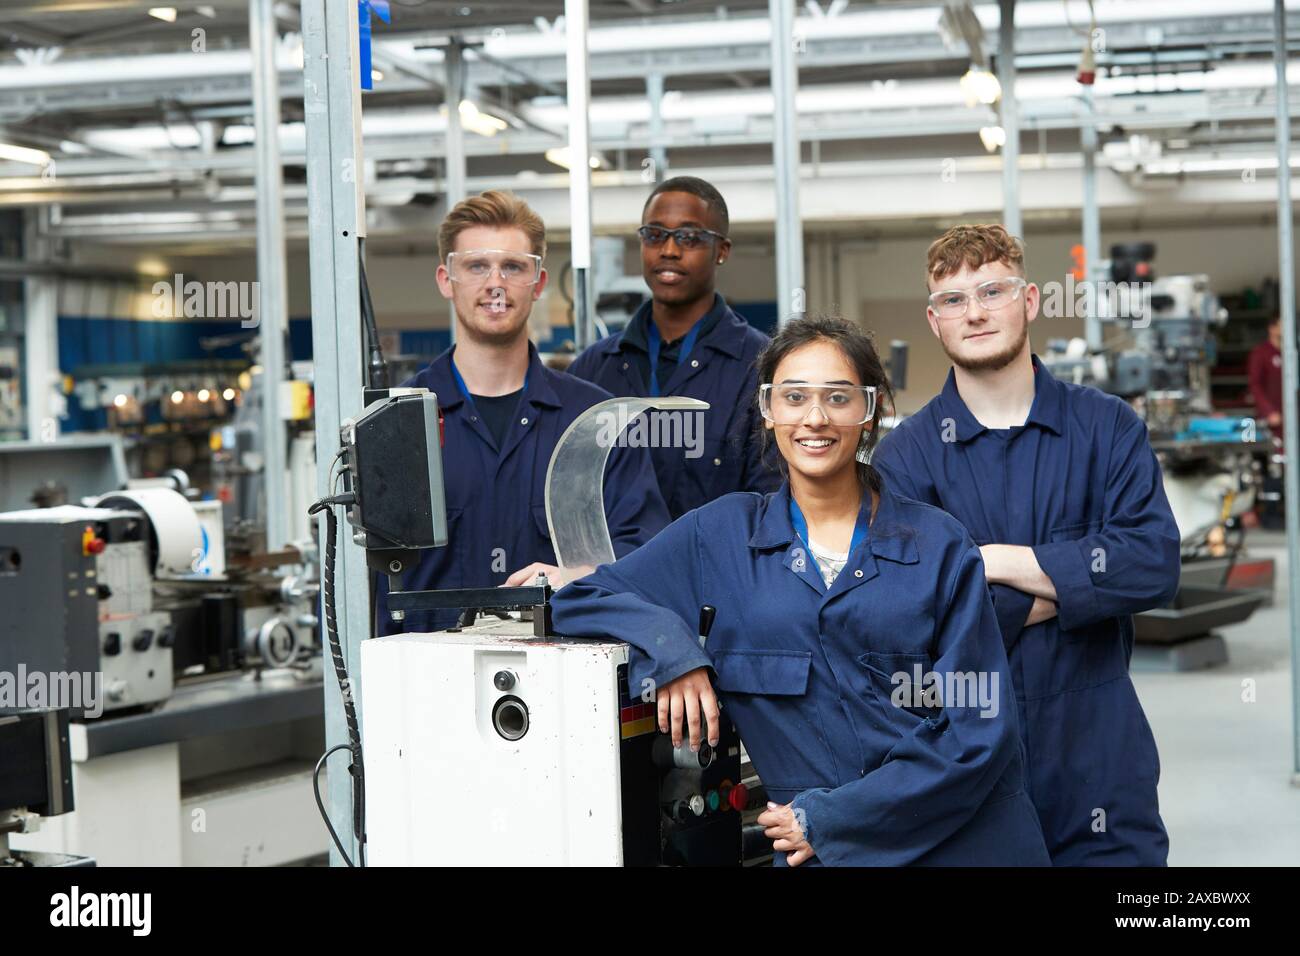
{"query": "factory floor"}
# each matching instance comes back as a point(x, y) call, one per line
point(1226, 790)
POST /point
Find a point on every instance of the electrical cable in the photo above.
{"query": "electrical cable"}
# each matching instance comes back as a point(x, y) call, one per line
point(315, 786)
point(378, 367)
point(356, 767)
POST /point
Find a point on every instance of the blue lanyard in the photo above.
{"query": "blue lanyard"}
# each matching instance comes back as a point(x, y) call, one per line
point(652, 338)
point(464, 389)
point(801, 529)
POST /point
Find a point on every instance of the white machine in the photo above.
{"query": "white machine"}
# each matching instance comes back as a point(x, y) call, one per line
point(492, 747)
point(506, 744)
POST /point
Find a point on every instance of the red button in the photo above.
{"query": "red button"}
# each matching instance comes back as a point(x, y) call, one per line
point(738, 797)
point(95, 546)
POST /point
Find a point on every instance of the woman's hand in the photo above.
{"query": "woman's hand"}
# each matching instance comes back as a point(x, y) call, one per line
point(786, 833)
point(687, 696)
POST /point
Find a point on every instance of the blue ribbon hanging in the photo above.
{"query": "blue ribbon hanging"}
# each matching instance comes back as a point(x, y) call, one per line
point(363, 19)
point(653, 343)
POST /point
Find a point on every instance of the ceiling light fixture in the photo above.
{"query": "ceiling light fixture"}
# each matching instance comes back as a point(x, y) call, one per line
point(980, 86)
point(476, 121)
point(561, 156)
point(993, 137)
point(21, 154)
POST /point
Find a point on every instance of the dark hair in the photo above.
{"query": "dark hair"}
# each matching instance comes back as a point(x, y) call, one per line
point(858, 347)
point(696, 187)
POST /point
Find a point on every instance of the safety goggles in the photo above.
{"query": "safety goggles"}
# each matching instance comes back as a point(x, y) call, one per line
point(992, 295)
point(687, 237)
point(789, 403)
point(476, 267)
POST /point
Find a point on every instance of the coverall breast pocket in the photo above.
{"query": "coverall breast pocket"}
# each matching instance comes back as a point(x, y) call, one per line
point(766, 694)
point(903, 689)
point(709, 465)
point(539, 519)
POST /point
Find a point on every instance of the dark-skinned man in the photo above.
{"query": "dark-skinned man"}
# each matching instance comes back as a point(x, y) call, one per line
point(686, 341)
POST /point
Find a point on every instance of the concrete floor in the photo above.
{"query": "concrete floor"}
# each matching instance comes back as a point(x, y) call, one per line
point(1226, 790)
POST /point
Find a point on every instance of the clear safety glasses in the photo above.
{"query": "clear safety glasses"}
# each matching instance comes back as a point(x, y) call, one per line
point(788, 403)
point(992, 295)
point(476, 266)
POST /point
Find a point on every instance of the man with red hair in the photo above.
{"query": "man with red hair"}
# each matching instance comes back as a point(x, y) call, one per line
point(1059, 486)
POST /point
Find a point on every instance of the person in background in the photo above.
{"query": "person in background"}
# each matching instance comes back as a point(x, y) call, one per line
point(1060, 488)
point(1264, 372)
point(1264, 375)
point(504, 411)
point(687, 341)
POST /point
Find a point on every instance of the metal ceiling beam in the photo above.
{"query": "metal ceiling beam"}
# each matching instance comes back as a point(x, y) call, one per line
point(1134, 113)
point(25, 33)
point(28, 9)
point(1051, 194)
point(846, 50)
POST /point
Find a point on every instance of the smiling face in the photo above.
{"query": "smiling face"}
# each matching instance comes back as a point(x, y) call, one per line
point(814, 449)
point(491, 311)
point(983, 340)
point(678, 276)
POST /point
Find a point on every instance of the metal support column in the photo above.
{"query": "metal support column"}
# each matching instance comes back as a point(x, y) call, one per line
point(1290, 376)
point(454, 65)
point(273, 300)
point(43, 404)
point(1091, 215)
point(654, 92)
point(1010, 119)
point(579, 95)
point(336, 214)
point(791, 297)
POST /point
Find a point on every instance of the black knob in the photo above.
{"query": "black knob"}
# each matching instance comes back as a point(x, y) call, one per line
point(113, 644)
point(104, 592)
point(166, 638)
point(707, 613)
point(504, 680)
point(143, 641)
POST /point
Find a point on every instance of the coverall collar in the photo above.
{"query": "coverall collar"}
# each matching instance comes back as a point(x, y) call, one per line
point(889, 537)
point(1047, 409)
point(727, 335)
point(540, 390)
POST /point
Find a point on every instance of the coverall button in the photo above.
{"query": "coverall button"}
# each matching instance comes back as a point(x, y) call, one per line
point(717, 461)
point(523, 421)
point(857, 573)
point(625, 366)
point(695, 363)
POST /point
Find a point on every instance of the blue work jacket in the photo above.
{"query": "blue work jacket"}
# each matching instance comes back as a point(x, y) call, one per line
point(808, 674)
point(496, 497)
point(719, 370)
point(1079, 484)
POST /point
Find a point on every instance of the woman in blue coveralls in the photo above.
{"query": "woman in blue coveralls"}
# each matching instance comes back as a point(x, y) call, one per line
point(855, 646)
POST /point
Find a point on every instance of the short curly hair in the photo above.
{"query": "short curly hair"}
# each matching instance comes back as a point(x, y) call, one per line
point(973, 246)
point(495, 208)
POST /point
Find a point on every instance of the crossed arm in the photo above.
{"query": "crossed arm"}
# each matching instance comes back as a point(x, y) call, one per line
point(1016, 566)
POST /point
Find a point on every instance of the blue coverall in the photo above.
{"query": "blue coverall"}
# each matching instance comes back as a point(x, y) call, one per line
point(496, 497)
point(809, 675)
point(1080, 484)
point(719, 370)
